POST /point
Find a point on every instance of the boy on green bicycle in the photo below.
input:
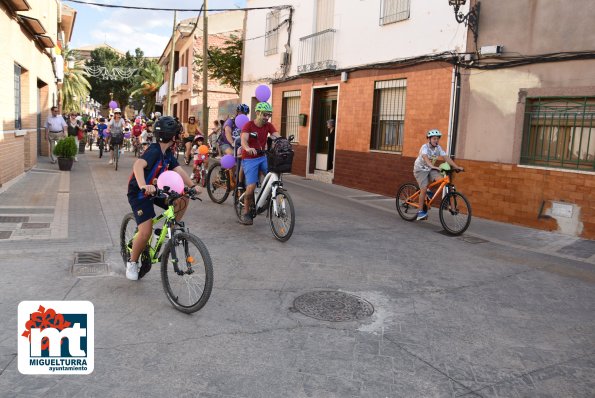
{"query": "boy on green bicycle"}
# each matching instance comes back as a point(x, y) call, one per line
point(155, 160)
point(425, 170)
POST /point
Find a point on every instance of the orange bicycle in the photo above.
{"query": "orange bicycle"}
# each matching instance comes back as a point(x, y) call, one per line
point(454, 209)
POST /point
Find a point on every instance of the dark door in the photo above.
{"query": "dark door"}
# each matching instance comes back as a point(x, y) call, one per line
point(325, 108)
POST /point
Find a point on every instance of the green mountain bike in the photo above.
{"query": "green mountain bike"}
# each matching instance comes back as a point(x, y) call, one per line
point(186, 268)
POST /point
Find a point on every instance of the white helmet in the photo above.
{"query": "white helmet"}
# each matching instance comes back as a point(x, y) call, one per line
point(433, 133)
point(117, 110)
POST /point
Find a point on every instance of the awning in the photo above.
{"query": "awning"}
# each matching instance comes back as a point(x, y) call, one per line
point(17, 5)
point(33, 24)
point(46, 41)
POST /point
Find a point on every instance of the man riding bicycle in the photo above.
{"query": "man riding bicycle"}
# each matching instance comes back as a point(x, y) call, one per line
point(156, 159)
point(254, 141)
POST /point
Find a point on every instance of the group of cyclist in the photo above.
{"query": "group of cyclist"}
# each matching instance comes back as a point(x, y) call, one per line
point(159, 158)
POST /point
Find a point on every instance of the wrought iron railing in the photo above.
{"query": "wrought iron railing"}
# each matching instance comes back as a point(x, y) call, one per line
point(316, 52)
point(559, 132)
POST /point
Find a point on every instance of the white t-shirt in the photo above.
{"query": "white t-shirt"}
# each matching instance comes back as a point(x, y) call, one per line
point(431, 152)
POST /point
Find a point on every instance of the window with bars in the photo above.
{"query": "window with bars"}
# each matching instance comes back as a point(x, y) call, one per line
point(559, 132)
point(271, 37)
point(388, 115)
point(290, 114)
point(394, 11)
point(17, 96)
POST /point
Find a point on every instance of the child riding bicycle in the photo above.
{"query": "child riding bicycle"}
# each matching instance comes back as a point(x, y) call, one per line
point(156, 159)
point(199, 158)
point(425, 170)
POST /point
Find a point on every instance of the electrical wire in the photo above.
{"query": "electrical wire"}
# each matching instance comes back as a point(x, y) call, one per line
point(175, 9)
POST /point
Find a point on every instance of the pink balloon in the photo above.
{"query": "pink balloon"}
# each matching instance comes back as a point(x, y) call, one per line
point(263, 93)
point(172, 180)
point(241, 120)
point(228, 161)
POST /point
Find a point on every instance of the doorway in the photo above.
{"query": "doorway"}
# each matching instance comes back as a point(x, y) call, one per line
point(324, 108)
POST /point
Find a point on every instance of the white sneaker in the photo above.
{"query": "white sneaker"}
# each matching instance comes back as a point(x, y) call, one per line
point(132, 271)
point(111, 161)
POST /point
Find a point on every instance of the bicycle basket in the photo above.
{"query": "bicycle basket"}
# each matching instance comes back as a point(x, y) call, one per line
point(280, 157)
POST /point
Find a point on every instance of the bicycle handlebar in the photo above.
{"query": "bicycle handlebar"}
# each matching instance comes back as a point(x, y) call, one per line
point(173, 195)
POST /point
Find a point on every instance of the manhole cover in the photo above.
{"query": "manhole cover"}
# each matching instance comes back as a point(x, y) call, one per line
point(472, 239)
point(5, 234)
point(333, 306)
point(88, 257)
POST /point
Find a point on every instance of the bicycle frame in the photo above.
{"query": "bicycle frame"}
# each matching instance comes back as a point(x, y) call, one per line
point(441, 183)
point(169, 216)
point(270, 184)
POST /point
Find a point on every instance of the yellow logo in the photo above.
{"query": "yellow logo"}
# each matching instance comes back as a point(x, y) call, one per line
point(139, 213)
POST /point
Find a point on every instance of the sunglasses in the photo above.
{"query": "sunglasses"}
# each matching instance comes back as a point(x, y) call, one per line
point(266, 114)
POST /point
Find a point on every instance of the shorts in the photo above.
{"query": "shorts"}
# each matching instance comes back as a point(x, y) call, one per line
point(252, 167)
point(424, 177)
point(144, 209)
point(224, 147)
point(189, 139)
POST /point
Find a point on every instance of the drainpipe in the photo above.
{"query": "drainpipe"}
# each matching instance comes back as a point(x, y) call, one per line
point(455, 119)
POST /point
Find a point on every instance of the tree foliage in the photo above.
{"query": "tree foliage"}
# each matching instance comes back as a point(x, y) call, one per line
point(225, 63)
point(75, 85)
point(146, 84)
point(122, 88)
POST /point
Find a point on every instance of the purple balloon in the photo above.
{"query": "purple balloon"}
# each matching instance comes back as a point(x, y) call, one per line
point(228, 161)
point(127, 135)
point(241, 120)
point(113, 104)
point(263, 93)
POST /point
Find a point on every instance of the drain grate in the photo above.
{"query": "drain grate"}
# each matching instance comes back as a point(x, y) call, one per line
point(333, 306)
point(89, 264)
point(5, 234)
point(13, 219)
point(472, 239)
point(35, 225)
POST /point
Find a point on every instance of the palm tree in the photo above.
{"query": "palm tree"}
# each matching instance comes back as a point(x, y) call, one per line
point(75, 85)
point(147, 83)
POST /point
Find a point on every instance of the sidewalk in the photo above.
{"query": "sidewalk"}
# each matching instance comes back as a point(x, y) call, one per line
point(534, 240)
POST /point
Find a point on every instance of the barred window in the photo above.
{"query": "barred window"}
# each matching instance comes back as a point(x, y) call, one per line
point(290, 114)
point(559, 132)
point(394, 11)
point(271, 37)
point(388, 115)
point(17, 96)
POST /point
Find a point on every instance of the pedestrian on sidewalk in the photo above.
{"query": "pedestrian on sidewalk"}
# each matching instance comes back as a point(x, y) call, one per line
point(330, 139)
point(55, 128)
point(73, 128)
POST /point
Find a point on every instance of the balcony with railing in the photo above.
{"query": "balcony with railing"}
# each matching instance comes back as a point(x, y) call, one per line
point(162, 92)
point(317, 52)
point(181, 79)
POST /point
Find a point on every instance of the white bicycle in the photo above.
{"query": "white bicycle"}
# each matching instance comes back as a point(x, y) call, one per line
point(274, 199)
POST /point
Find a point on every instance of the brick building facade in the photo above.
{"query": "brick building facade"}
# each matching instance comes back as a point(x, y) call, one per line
point(29, 81)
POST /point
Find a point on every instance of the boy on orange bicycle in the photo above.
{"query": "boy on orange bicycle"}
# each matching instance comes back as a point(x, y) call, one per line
point(425, 170)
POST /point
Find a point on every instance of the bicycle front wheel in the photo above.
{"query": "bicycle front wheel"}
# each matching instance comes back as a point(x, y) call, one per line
point(217, 184)
point(186, 272)
point(455, 213)
point(281, 215)
point(403, 202)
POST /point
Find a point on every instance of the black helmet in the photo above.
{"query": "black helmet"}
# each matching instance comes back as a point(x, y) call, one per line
point(167, 128)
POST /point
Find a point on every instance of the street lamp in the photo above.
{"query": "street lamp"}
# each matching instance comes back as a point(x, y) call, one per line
point(470, 19)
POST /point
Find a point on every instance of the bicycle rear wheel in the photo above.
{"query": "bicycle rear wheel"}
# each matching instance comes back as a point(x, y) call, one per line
point(217, 182)
point(283, 219)
point(127, 231)
point(455, 213)
point(405, 209)
point(186, 272)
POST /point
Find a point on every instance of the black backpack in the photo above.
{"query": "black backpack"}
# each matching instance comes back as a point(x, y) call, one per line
point(280, 156)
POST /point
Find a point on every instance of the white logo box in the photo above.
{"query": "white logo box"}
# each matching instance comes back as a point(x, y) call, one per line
point(78, 359)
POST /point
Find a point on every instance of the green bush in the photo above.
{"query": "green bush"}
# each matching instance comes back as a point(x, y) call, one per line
point(66, 148)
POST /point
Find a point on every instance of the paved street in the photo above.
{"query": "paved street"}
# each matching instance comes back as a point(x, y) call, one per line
point(509, 314)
